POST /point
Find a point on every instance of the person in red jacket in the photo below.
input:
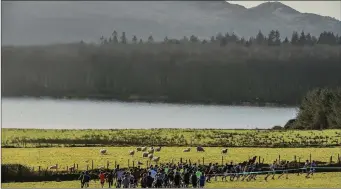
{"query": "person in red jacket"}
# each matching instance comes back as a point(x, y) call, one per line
point(102, 178)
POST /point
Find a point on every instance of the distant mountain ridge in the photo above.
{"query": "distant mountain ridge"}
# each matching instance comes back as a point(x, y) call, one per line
point(29, 23)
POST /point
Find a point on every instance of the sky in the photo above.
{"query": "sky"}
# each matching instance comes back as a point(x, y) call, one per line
point(324, 8)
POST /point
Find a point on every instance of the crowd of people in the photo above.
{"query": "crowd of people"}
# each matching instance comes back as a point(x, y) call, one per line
point(189, 175)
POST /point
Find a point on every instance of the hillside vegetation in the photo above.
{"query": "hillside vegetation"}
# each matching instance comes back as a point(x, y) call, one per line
point(169, 137)
point(320, 109)
point(226, 70)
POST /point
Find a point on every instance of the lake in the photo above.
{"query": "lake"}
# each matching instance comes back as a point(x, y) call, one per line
point(82, 114)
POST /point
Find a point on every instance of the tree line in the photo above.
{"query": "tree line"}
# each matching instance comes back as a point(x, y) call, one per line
point(272, 39)
point(261, 74)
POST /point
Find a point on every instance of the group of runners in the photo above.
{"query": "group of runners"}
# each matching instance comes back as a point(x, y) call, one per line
point(190, 175)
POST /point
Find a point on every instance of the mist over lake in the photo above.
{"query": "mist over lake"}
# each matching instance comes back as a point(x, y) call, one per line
point(81, 114)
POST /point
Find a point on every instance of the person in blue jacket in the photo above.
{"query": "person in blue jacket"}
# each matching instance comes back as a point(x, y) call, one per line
point(202, 180)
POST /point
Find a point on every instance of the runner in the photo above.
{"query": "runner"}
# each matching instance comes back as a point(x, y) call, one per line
point(150, 180)
point(110, 178)
point(186, 178)
point(101, 178)
point(81, 178)
point(194, 179)
point(285, 168)
point(126, 181)
point(245, 172)
point(177, 179)
point(202, 181)
point(312, 169)
point(305, 167)
point(144, 181)
point(86, 179)
point(272, 171)
point(119, 175)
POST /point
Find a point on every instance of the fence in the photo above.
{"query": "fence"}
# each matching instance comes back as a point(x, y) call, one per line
point(148, 162)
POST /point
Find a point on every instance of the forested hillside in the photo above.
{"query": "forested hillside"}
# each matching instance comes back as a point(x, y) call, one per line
point(224, 70)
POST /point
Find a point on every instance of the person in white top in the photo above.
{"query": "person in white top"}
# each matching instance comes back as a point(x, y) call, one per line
point(305, 167)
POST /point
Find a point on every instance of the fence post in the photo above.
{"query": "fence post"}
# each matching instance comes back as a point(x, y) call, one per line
point(310, 158)
point(77, 166)
point(258, 159)
point(263, 161)
point(295, 158)
point(115, 164)
point(338, 158)
point(107, 164)
point(39, 170)
point(67, 168)
point(279, 158)
point(330, 159)
point(222, 160)
point(180, 160)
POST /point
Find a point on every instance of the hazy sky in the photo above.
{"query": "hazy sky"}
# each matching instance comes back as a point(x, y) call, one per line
point(324, 8)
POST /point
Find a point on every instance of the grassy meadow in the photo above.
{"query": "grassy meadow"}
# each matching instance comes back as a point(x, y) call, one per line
point(319, 180)
point(47, 147)
point(169, 137)
point(83, 156)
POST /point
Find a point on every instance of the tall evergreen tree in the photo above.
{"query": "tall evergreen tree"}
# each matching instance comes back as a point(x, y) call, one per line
point(260, 38)
point(233, 38)
point(150, 39)
point(309, 40)
point(294, 38)
point(101, 39)
point(277, 38)
point(302, 40)
point(271, 37)
point(114, 37)
point(123, 38)
point(134, 40)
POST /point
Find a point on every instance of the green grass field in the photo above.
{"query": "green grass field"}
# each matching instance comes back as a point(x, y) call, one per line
point(83, 156)
point(319, 180)
point(170, 137)
point(118, 143)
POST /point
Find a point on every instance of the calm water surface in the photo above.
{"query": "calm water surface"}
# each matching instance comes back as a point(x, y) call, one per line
point(69, 114)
